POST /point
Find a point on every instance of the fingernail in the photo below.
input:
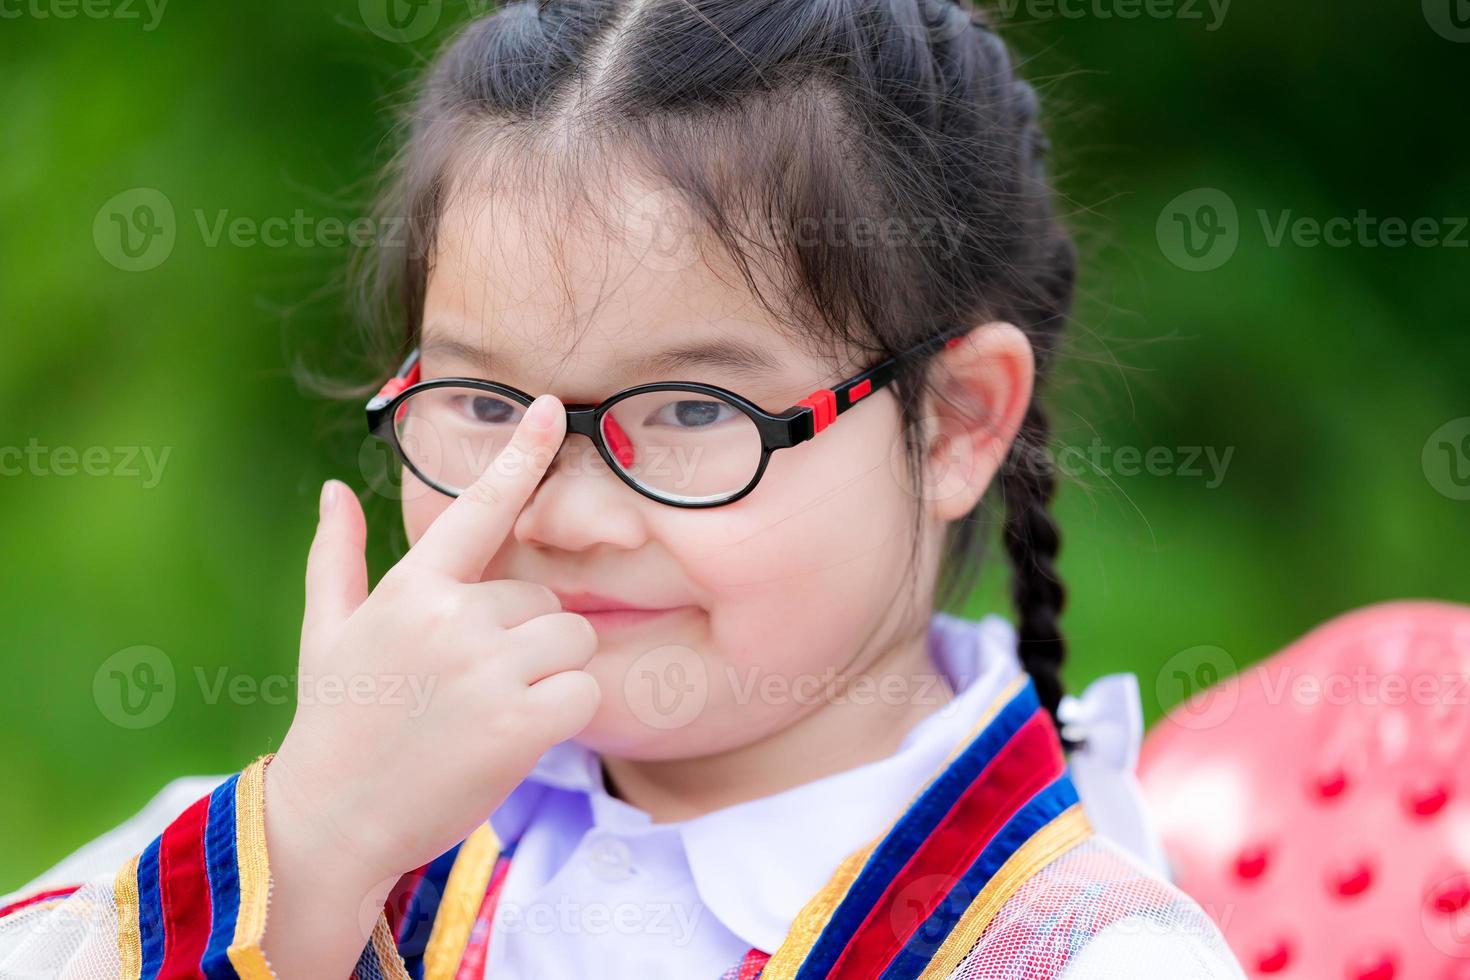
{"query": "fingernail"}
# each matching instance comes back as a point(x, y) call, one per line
point(542, 412)
point(329, 495)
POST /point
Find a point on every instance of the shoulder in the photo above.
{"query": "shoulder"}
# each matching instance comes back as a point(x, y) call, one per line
point(103, 854)
point(1096, 913)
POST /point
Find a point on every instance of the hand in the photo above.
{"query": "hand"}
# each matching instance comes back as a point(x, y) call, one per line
point(467, 683)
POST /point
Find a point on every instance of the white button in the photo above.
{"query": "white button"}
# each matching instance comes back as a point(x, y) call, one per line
point(610, 858)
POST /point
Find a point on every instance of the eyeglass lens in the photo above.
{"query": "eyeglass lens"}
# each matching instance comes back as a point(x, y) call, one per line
point(684, 446)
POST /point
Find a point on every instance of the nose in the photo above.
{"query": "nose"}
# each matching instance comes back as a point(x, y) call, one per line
point(581, 503)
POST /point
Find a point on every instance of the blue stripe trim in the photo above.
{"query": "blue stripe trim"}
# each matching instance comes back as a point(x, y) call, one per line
point(418, 919)
point(150, 910)
point(1041, 810)
point(221, 864)
point(913, 828)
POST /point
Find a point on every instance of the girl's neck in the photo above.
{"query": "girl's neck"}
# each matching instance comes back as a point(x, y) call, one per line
point(841, 733)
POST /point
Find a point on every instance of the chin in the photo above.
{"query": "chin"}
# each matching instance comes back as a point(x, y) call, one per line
point(639, 731)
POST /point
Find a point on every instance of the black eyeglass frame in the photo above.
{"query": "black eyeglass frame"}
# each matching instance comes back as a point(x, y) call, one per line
point(800, 423)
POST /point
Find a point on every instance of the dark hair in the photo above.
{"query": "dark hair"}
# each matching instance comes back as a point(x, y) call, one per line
point(758, 115)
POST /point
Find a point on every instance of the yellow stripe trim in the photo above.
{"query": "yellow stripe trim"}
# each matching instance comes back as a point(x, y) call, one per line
point(464, 892)
point(1068, 829)
point(386, 947)
point(817, 912)
point(129, 939)
point(255, 875)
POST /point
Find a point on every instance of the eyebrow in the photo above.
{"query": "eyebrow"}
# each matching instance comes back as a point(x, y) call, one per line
point(745, 361)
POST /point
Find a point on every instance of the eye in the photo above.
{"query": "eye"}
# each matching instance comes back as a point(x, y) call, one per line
point(688, 413)
point(487, 409)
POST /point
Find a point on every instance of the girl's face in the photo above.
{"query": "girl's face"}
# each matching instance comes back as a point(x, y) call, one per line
point(800, 582)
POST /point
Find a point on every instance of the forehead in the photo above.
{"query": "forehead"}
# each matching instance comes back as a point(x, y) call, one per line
point(529, 287)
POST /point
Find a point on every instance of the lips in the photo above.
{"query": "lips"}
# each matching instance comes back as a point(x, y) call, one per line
point(586, 602)
point(607, 614)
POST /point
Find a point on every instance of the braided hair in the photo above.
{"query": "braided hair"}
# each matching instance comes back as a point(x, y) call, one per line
point(905, 115)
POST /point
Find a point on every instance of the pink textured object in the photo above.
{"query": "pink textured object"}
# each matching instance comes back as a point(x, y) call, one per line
point(1318, 804)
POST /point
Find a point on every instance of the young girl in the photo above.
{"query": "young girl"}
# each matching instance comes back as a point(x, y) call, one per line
point(717, 320)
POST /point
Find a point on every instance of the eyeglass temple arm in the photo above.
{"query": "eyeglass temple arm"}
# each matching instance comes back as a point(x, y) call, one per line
point(826, 404)
point(407, 375)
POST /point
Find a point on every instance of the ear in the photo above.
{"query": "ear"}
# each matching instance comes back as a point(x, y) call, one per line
point(984, 387)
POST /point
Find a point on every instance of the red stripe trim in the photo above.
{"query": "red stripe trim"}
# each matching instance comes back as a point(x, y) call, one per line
point(183, 891)
point(399, 899)
point(752, 964)
point(41, 896)
point(1028, 763)
point(472, 964)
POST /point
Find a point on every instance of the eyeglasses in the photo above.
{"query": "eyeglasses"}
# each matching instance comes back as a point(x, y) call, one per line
point(681, 443)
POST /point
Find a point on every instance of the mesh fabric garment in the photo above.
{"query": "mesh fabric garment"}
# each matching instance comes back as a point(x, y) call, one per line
point(1095, 913)
point(75, 935)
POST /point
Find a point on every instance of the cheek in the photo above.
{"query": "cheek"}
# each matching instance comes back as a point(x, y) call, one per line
point(797, 578)
point(826, 529)
point(421, 504)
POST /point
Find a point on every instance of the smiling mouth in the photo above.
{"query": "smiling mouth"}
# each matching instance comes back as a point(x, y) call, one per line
point(616, 620)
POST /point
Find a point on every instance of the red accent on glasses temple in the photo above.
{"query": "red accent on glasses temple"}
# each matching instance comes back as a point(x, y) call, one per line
point(394, 385)
point(953, 341)
point(859, 390)
point(823, 404)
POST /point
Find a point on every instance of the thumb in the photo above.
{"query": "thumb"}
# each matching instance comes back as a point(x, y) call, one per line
point(336, 566)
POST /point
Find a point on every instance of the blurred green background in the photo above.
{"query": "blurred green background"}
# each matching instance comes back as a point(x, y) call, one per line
point(1333, 375)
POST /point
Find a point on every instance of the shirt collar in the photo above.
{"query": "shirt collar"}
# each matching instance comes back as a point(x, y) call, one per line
point(756, 879)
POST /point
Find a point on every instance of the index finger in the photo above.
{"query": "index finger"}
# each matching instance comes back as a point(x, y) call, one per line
point(466, 534)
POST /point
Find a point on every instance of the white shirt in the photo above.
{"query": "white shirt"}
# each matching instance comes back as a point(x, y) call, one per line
point(596, 888)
